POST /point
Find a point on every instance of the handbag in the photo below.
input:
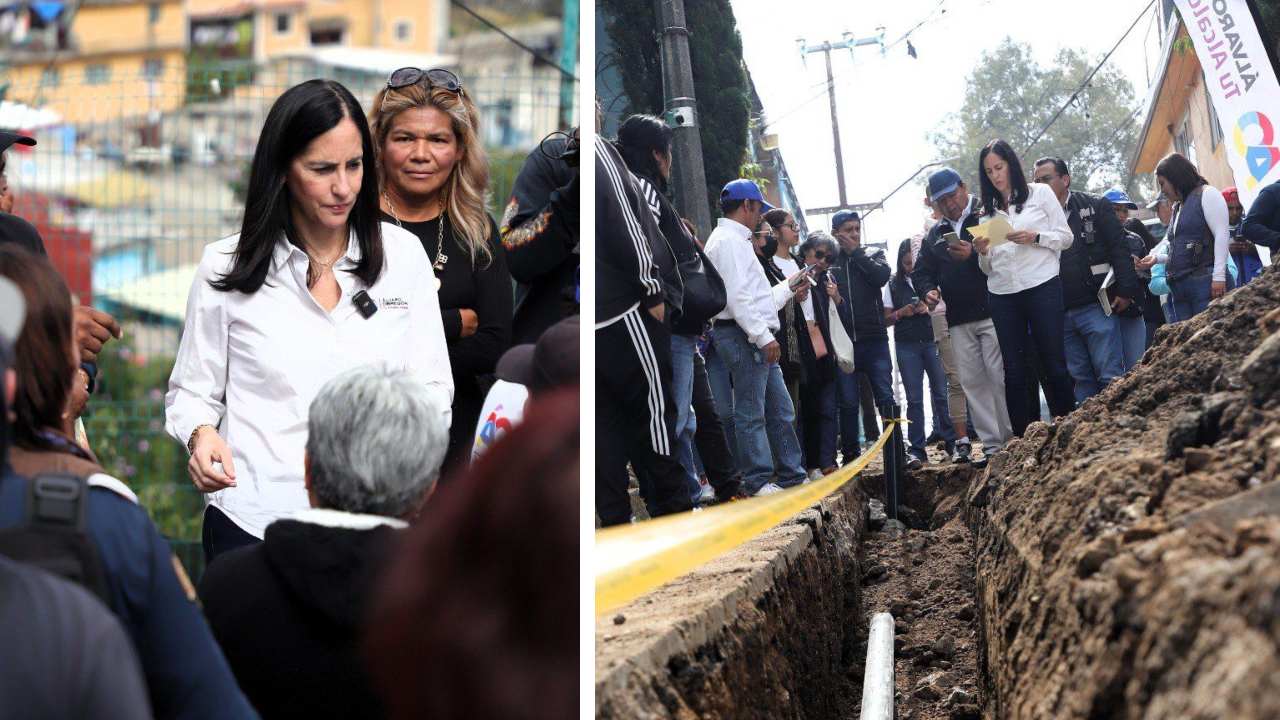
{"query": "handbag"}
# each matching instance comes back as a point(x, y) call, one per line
point(840, 342)
point(704, 292)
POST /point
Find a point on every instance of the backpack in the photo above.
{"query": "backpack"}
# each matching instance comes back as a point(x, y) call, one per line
point(53, 535)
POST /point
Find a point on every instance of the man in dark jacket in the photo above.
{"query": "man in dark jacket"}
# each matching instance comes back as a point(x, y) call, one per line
point(635, 417)
point(1095, 354)
point(947, 269)
point(289, 612)
point(539, 231)
point(1261, 225)
point(860, 273)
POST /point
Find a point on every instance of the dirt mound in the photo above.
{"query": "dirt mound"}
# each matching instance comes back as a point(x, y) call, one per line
point(1119, 573)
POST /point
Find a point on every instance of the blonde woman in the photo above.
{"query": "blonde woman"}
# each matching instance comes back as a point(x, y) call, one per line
point(434, 176)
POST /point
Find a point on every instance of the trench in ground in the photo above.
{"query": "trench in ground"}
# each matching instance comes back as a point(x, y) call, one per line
point(925, 578)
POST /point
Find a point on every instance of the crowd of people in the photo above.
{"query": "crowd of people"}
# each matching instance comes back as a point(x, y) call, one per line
point(759, 359)
point(348, 391)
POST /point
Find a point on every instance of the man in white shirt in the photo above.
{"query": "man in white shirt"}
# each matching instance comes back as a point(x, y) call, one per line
point(744, 338)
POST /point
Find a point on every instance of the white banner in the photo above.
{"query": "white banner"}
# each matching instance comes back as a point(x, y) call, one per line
point(1243, 86)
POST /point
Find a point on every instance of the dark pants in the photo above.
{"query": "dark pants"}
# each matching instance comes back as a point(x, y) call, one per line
point(818, 400)
point(713, 446)
point(636, 418)
point(220, 534)
point(1037, 312)
point(873, 362)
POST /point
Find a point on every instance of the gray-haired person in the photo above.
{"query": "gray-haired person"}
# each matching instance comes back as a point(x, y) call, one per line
point(288, 612)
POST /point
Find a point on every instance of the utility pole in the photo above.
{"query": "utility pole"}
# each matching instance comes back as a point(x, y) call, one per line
point(689, 175)
point(849, 42)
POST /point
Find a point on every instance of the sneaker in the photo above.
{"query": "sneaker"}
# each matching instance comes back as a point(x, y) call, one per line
point(914, 462)
point(696, 508)
point(706, 493)
point(815, 474)
point(961, 454)
point(768, 489)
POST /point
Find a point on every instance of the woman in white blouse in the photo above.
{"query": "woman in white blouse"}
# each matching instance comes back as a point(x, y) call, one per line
point(1024, 290)
point(313, 285)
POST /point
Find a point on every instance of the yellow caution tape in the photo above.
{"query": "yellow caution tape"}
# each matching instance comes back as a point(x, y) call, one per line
point(631, 560)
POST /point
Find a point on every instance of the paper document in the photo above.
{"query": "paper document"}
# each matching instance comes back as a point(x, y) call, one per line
point(996, 230)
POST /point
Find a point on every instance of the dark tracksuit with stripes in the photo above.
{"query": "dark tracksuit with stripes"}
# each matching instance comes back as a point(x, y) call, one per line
point(635, 416)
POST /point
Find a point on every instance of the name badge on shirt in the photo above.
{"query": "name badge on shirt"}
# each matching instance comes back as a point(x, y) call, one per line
point(394, 303)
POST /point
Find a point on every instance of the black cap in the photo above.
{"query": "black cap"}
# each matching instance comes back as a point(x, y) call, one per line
point(8, 138)
point(551, 362)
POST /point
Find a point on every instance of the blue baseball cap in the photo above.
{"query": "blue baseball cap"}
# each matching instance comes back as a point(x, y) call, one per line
point(943, 182)
point(843, 217)
point(743, 189)
point(1119, 197)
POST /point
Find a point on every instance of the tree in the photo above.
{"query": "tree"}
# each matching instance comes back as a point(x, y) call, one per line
point(1010, 96)
point(715, 52)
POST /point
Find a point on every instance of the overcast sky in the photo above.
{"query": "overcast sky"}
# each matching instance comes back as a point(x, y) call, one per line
point(888, 104)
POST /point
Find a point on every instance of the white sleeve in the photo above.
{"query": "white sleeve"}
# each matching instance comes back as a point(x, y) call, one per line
point(738, 299)
point(1161, 251)
point(198, 384)
point(428, 351)
point(1056, 235)
point(781, 294)
point(887, 297)
point(1215, 215)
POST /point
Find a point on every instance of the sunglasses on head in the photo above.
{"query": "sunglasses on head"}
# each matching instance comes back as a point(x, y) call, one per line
point(436, 78)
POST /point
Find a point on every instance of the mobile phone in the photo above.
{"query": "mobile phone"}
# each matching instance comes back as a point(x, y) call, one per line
point(953, 239)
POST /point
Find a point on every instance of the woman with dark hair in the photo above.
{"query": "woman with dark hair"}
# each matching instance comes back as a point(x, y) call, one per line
point(314, 284)
point(434, 174)
point(135, 573)
point(798, 359)
point(1199, 235)
point(918, 356)
point(1023, 286)
point(644, 142)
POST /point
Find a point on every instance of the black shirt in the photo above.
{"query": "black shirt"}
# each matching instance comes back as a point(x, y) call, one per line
point(484, 287)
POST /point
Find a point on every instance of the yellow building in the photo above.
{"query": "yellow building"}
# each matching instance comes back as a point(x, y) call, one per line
point(125, 58)
point(1179, 114)
point(279, 27)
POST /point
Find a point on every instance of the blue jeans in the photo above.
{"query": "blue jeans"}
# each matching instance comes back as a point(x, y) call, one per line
point(1095, 355)
point(682, 349)
point(761, 409)
point(1191, 295)
point(1036, 314)
point(915, 360)
point(722, 393)
point(1133, 340)
point(871, 358)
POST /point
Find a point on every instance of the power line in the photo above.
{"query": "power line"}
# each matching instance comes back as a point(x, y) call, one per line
point(1085, 84)
point(927, 19)
point(505, 34)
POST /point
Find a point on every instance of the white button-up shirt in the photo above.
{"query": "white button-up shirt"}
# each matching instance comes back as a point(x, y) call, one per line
point(1011, 267)
point(750, 301)
point(250, 365)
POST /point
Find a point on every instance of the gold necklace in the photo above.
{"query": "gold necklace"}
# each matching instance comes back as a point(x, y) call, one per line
point(441, 257)
point(313, 275)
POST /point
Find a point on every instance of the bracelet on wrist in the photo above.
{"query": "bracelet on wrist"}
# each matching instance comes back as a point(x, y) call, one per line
point(191, 441)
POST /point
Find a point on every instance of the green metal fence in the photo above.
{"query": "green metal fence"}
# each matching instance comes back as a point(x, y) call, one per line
point(134, 175)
